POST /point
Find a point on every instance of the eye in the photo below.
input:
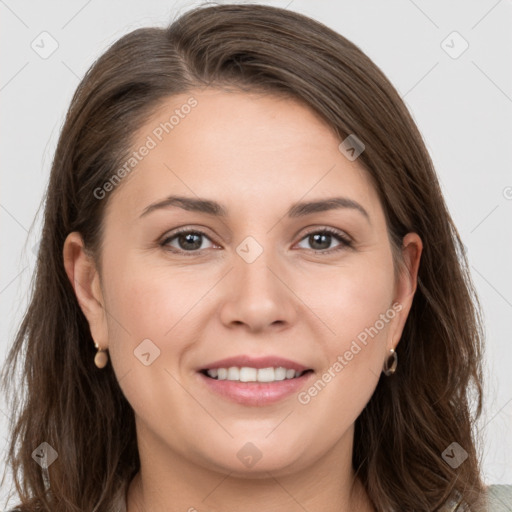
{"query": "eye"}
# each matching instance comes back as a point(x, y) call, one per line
point(321, 239)
point(188, 241)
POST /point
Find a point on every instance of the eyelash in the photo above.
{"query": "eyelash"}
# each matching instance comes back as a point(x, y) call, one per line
point(345, 241)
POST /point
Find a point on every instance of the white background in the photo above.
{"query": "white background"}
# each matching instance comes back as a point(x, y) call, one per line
point(463, 107)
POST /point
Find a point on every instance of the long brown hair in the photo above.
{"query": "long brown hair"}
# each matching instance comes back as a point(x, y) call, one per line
point(80, 411)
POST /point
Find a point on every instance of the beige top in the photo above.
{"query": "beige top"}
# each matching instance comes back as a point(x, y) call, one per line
point(499, 499)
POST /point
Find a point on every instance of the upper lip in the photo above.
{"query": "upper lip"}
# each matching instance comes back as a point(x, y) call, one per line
point(255, 362)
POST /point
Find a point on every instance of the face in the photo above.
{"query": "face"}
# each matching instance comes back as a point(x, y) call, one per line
point(268, 284)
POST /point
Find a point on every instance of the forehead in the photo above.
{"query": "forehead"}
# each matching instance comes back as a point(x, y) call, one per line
point(243, 147)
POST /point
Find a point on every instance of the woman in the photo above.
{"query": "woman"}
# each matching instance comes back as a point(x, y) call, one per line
point(249, 292)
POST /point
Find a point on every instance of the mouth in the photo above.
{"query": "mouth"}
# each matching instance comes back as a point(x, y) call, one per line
point(254, 387)
point(252, 381)
point(251, 374)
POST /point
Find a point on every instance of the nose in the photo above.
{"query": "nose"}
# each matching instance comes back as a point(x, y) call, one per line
point(259, 295)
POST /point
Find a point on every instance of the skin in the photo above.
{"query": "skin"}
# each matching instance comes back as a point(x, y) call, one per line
point(256, 155)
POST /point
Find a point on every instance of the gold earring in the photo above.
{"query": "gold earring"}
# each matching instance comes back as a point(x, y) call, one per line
point(101, 357)
point(388, 368)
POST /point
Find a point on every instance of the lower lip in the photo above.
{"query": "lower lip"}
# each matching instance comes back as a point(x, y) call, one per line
point(256, 393)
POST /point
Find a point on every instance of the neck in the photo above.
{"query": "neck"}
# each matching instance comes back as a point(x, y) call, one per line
point(261, 495)
point(327, 485)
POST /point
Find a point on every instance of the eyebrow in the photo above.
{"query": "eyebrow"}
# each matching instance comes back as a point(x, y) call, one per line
point(300, 209)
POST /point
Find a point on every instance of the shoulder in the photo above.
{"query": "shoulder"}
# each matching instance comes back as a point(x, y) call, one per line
point(499, 498)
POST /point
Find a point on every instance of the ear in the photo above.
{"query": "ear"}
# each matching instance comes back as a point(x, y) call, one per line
point(405, 287)
point(84, 277)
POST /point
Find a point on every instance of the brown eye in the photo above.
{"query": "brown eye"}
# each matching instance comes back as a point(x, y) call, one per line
point(320, 241)
point(187, 240)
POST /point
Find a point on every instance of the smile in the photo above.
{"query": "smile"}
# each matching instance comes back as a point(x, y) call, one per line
point(249, 374)
point(255, 387)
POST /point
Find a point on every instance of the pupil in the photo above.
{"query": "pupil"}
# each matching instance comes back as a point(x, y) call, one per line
point(187, 237)
point(325, 236)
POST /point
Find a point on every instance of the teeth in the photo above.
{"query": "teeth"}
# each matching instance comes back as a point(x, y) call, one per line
point(267, 374)
point(233, 373)
point(247, 374)
point(280, 373)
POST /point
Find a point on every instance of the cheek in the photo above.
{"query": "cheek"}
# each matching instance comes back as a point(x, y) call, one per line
point(357, 308)
point(148, 309)
point(359, 311)
point(151, 299)
point(352, 297)
point(147, 321)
